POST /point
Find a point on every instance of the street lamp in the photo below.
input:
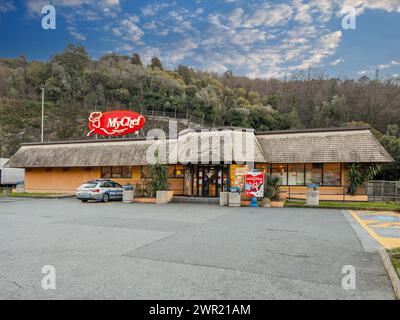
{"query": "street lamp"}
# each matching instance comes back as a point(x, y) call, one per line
point(42, 114)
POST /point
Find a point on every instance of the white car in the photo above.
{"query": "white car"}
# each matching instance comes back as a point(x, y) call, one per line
point(99, 190)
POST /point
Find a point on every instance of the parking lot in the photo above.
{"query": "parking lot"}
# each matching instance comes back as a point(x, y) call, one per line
point(181, 251)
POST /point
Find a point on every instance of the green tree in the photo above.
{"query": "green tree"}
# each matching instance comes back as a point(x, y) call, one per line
point(135, 59)
point(156, 64)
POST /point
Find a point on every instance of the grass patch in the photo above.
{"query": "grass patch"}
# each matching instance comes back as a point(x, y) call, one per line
point(32, 195)
point(352, 205)
point(394, 255)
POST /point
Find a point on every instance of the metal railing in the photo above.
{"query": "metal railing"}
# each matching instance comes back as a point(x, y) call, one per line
point(379, 190)
point(373, 191)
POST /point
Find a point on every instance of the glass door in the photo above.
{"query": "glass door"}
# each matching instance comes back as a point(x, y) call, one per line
point(210, 181)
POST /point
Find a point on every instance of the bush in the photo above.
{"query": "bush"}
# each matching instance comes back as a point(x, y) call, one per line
point(158, 180)
point(272, 187)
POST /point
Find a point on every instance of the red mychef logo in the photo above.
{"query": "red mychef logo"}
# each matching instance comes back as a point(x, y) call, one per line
point(115, 123)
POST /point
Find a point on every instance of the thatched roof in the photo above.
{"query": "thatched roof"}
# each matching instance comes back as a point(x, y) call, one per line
point(229, 144)
point(3, 161)
point(233, 145)
point(330, 145)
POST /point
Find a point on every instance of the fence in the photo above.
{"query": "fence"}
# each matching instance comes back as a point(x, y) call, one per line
point(384, 190)
point(373, 191)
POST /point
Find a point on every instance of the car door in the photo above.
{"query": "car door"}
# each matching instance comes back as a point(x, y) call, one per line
point(118, 190)
point(105, 187)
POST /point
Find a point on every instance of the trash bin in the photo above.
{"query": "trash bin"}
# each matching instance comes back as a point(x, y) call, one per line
point(127, 194)
point(234, 197)
point(312, 198)
point(20, 187)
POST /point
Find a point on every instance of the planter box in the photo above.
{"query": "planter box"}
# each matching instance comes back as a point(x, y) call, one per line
point(265, 203)
point(127, 196)
point(224, 199)
point(277, 204)
point(234, 199)
point(164, 197)
point(145, 200)
point(170, 195)
point(245, 203)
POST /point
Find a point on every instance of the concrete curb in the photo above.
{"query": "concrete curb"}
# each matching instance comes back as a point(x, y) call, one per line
point(341, 208)
point(61, 196)
point(394, 279)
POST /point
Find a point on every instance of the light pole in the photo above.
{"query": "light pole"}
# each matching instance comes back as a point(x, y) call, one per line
point(42, 114)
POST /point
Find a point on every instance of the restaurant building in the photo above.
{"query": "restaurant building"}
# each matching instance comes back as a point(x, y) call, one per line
point(202, 163)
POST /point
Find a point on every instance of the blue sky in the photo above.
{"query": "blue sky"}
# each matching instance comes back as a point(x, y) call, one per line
point(256, 38)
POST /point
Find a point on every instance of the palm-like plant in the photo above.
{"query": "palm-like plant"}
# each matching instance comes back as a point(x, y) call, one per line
point(359, 174)
point(272, 187)
point(158, 180)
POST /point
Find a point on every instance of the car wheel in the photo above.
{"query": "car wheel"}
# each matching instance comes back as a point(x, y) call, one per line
point(106, 197)
point(84, 200)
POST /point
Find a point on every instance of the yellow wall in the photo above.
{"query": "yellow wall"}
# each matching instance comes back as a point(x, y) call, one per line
point(57, 180)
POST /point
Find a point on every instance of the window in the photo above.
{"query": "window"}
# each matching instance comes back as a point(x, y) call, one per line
point(176, 171)
point(332, 174)
point(314, 173)
point(116, 172)
point(106, 172)
point(124, 172)
point(115, 185)
point(280, 170)
point(296, 174)
point(89, 185)
point(264, 167)
point(171, 171)
point(179, 171)
point(106, 185)
point(145, 173)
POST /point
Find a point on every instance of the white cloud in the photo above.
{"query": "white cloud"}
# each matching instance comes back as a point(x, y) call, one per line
point(326, 47)
point(130, 30)
point(336, 62)
point(303, 14)
point(383, 66)
point(6, 6)
point(268, 15)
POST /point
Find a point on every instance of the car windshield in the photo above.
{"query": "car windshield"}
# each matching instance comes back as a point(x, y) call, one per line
point(89, 185)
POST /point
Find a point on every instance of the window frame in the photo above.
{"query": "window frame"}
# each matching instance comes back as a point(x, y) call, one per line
point(111, 169)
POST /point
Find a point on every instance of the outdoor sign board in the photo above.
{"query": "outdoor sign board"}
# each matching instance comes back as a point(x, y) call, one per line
point(255, 184)
point(115, 123)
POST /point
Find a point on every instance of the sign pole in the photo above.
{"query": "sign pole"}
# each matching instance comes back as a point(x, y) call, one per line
point(42, 129)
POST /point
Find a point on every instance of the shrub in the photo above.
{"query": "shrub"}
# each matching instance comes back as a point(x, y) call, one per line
point(272, 187)
point(158, 180)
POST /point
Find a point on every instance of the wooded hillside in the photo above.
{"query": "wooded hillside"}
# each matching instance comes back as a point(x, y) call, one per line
point(76, 84)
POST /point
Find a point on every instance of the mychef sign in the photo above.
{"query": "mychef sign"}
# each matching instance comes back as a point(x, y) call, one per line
point(115, 123)
point(254, 184)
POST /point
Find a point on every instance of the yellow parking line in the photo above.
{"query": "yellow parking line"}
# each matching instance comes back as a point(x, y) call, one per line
point(384, 241)
point(372, 233)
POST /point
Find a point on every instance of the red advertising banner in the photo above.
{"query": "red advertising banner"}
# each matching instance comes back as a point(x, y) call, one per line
point(255, 184)
point(115, 123)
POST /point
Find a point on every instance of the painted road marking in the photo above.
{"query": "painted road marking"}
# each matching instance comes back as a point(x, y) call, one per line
point(385, 221)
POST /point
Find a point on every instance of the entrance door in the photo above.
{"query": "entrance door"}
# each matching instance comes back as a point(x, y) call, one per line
point(210, 183)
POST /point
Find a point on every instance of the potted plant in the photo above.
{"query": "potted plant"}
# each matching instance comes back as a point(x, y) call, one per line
point(272, 191)
point(158, 182)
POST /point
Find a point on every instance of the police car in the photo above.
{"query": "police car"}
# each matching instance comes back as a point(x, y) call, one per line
point(100, 190)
